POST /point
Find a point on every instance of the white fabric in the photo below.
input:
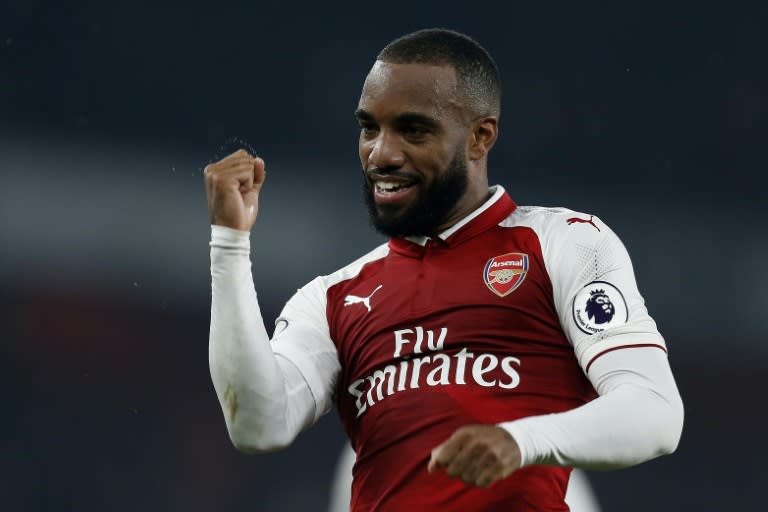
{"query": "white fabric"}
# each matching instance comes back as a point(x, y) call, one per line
point(265, 399)
point(579, 495)
point(638, 416)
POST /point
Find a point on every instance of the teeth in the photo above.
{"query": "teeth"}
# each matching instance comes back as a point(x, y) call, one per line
point(388, 185)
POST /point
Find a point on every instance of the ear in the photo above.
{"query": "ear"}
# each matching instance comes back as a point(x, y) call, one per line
point(482, 137)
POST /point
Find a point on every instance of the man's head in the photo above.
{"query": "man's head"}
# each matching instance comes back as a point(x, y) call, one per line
point(477, 77)
point(428, 114)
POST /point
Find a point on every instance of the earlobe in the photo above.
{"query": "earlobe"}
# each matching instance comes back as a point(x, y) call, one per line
point(483, 137)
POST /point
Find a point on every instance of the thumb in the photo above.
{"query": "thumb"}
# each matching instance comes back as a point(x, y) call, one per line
point(434, 465)
point(259, 173)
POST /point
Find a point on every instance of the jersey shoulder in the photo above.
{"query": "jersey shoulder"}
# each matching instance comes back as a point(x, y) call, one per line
point(321, 284)
point(546, 219)
point(561, 229)
point(310, 301)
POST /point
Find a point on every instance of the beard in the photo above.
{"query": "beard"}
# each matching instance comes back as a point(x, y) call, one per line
point(428, 212)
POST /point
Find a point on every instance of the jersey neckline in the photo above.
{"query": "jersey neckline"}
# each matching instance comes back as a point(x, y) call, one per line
point(497, 208)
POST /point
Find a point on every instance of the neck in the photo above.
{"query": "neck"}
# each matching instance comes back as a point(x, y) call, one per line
point(469, 202)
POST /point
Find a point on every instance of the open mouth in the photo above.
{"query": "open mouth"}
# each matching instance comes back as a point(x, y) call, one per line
point(392, 191)
point(391, 187)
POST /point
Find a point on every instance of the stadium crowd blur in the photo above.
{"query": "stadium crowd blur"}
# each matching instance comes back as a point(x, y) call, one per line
point(650, 117)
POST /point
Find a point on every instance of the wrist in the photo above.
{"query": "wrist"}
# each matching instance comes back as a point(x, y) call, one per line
point(223, 236)
point(519, 436)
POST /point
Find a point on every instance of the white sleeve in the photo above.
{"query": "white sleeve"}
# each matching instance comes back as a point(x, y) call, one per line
point(265, 397)
point(594, 290)
point(638, 414)
point(302, 336)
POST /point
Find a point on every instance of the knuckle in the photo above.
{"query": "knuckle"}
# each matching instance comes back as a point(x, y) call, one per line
point(453, 470)
point(461, 434)
point(482, 445)
point(491, 460)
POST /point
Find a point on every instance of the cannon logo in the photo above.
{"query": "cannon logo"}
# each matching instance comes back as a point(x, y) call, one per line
point(504, 274)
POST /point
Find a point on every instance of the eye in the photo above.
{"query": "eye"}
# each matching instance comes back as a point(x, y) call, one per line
point(415, 132)
point(368, 129)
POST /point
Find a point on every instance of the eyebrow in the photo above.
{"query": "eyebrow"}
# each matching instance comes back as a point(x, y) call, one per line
point(404, 118)
point(407, 118)
point(363, 114)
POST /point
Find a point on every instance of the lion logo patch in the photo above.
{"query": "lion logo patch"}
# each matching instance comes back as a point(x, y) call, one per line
point(599, 306)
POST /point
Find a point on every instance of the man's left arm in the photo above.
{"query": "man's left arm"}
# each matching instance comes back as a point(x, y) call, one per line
point(638, 414)
point(637, 417)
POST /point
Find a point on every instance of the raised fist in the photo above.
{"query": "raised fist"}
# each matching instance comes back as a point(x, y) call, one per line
point(233, 184)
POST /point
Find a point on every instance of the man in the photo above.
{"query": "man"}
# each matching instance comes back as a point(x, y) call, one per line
point(468, 372)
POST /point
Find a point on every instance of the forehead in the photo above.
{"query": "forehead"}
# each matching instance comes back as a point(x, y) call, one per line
point(392, 88)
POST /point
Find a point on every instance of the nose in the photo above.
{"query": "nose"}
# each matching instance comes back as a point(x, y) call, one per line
point(386, 151)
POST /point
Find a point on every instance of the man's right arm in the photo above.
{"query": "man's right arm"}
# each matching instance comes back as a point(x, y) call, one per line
point(266, 399)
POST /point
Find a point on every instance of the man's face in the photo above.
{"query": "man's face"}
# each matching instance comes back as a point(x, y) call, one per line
point(412, 138)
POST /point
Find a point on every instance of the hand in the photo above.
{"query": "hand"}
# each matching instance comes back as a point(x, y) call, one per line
point(233, 184)
point(477, 454)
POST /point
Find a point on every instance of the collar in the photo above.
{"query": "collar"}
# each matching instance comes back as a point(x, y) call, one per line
point(489, 214)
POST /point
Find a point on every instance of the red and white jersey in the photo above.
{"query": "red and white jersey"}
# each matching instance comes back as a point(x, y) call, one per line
point(498, 318)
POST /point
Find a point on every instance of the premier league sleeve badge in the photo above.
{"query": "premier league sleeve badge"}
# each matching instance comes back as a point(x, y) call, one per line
point(599, 306)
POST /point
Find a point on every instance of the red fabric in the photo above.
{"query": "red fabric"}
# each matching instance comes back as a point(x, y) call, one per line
point(512, 344)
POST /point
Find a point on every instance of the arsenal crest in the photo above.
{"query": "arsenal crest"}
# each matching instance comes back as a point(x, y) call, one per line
point(503, 274)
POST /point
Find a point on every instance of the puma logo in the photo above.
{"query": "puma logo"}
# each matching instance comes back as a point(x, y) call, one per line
point(585, 221)
point(366, 301)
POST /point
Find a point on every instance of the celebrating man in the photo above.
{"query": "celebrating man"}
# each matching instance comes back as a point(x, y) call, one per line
point(466, 357)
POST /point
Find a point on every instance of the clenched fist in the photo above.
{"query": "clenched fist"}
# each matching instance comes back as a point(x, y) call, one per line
point(233, 184)
point(477, 454)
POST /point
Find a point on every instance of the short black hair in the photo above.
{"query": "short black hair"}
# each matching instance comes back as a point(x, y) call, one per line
point(477, 75)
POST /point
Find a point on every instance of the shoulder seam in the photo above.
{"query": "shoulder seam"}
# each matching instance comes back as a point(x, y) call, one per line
point(352, 270)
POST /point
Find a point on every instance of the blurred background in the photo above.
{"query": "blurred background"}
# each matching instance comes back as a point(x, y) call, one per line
point(653, 116)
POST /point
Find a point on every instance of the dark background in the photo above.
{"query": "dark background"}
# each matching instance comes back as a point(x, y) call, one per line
point(652, 115)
